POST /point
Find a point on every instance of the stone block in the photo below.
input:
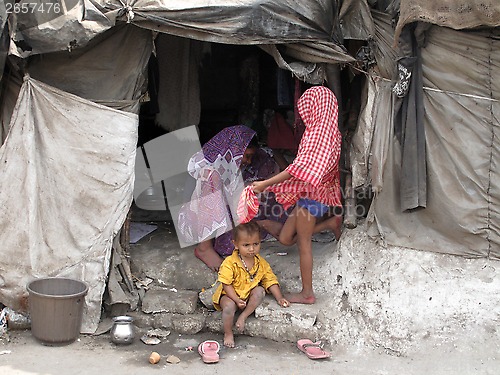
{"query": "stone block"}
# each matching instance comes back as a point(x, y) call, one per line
point(188, 324)
point(142, 320)
point(214, 322)
point(162, 300)
point(300, 316)
point(163, 320)
point(278, 331)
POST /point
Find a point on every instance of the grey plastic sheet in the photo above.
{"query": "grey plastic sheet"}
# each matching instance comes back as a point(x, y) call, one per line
point(67, 27)
point(238, 21)
point(356, 20)
point(52, 166)
point(455, 14)
point(462, 121)
point(383, 45)
point(119, 70)
point(309, 28)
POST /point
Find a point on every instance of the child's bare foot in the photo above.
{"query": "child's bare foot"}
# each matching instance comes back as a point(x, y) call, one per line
point(307, 299)
point(209, 257)
point(229, 340)
point(240, 324)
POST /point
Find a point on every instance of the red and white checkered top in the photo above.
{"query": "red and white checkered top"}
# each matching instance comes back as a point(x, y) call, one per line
point(315, 170)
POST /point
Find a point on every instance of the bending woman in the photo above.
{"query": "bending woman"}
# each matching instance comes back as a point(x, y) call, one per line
point(227, 159)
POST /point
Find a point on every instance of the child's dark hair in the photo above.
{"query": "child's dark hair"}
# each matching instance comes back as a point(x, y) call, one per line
point(249, 228)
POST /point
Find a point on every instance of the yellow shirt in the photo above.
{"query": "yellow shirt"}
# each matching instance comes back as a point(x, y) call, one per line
point(232, 272)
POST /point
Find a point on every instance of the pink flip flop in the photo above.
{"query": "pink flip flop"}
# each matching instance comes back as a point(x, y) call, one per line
point(314, 350)
point(209, 351)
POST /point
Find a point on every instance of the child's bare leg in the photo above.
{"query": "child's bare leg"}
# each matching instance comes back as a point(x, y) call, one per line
point(256, 296)
point(305, 227)
point(228, 310)
point(206, 253)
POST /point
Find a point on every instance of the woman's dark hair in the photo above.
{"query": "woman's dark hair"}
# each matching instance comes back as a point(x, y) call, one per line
point(249, 228)
point(254, 142)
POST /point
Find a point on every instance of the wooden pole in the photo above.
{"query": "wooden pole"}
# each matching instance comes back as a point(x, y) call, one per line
point(350, 220)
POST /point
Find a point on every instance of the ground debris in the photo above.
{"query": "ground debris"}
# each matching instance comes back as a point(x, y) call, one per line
point(173, 359)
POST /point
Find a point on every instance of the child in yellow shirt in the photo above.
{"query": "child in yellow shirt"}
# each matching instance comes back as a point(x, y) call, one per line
point(245, 277)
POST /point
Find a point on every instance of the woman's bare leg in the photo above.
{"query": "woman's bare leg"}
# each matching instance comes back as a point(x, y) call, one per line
point(228, 310)
point(254, 300)
point(206, 253)
point(334, 224)
point(304, 225)
point(287, 234)
point(271, 226)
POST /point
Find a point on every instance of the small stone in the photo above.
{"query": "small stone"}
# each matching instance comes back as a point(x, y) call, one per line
point(158, 332)
point(173, 359)
point(148, 340)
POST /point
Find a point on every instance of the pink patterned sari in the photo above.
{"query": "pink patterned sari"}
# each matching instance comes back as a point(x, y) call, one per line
point(216, 169)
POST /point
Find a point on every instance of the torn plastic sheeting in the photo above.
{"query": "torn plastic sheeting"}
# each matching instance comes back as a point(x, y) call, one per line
point(456, 14)
point(11, 87)
point(383, 45)
point(462, 123)
point(110, 60)
point(308, 72)
point(232, 22)
point(318, 52)
point(66, 190)
point(66, 27)
point(239, 22)
point(4, 37)
point(356, 20)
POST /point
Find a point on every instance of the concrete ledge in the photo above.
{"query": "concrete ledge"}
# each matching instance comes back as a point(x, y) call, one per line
point(398, 299)
point(300, 316)
point(277, 330)
point(402, 299)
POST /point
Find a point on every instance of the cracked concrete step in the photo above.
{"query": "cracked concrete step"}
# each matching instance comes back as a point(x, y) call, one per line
point(159, 257)
point(180, 311)
point(172, 300)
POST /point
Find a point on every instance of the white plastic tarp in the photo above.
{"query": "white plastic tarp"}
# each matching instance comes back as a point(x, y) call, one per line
point(67, 169)
point(462, 120)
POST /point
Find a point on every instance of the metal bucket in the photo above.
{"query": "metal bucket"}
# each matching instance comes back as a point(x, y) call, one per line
point(56, 309)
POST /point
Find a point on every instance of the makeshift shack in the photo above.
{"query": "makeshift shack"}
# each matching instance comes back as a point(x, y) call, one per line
point(419, 111)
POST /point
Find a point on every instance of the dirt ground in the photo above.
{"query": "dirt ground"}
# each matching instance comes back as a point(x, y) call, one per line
point(24, 355)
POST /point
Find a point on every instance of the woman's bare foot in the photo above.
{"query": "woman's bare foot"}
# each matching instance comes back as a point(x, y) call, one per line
point(229, 340)
point(209, 257)
point(240, 324)
point(301, 297)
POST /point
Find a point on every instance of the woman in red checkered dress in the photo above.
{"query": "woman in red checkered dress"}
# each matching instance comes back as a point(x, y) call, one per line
point(311, 183)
